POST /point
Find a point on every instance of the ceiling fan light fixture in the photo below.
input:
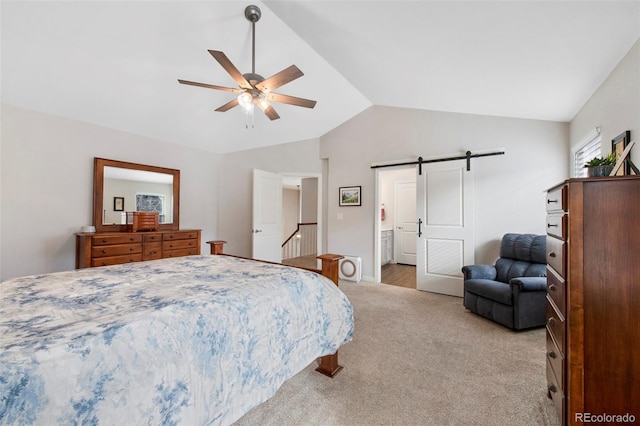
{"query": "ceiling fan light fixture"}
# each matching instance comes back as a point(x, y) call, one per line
point(245, 100)
point(263, 103)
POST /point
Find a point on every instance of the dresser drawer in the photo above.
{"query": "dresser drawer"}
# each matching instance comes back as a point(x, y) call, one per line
point(152, 237)
point(557, 291)
point(152, 251)
point(179, 244)
point(555, 392)
point(557, 225)
point(115, 250)
point(556, 255)
point(116, 239)
point(180, 235)
point(180, 253)
point(116, 260)
point(555, 358)
point(556, 326)
point(557, 199)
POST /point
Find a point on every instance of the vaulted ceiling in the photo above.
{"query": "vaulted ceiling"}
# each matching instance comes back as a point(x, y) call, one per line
point(116, 63)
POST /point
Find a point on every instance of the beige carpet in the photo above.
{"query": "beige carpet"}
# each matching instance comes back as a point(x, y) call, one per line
point(419, 359)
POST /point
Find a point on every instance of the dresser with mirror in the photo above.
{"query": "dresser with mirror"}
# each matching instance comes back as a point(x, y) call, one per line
point(120, 189)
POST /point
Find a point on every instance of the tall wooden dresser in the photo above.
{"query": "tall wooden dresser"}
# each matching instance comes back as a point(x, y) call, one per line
point(112, 248)
point(593, 300)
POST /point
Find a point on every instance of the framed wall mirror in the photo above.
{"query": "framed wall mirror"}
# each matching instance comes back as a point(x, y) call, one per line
point(120, 187)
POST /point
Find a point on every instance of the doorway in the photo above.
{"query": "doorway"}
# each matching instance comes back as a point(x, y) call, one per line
point(397, 226)
point(301, 228)
point(444, 219)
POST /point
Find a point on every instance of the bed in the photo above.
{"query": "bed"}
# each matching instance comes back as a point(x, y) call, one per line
point(193, 340)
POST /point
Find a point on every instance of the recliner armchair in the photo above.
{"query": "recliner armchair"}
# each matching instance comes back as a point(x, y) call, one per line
point(512, 292)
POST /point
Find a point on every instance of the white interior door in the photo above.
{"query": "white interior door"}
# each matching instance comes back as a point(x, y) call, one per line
point(267, 216)
point(406, 226)
point(445, 241)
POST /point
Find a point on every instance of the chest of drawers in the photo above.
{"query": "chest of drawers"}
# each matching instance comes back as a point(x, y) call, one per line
point(112, 248)
point(593, 298)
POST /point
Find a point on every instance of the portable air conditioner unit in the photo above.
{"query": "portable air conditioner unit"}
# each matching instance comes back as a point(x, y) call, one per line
point(350, 268)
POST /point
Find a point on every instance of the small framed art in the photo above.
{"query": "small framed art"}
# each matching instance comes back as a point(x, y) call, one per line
point(618, 144)
point(350, 196)
point(118, 204)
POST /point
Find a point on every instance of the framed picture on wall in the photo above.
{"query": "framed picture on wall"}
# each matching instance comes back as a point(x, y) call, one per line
point(350, 196)
point(118, 204)
point(618, 144)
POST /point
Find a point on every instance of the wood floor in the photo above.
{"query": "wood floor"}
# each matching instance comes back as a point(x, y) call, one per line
point(392, 273)
point(303, 261)
point(400, 275)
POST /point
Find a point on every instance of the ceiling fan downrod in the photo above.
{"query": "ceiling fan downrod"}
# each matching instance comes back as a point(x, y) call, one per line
point(253, 14)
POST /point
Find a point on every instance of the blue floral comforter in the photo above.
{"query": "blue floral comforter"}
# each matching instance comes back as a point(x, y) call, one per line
point(190, 341)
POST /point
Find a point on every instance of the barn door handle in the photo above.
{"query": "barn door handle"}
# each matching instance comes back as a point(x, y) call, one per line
point(419, 227)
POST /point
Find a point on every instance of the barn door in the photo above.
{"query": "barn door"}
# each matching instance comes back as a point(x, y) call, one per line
point(445, 226)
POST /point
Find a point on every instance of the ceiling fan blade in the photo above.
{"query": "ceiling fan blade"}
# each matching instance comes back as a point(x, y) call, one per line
point(291, 100)
point(283, 77)
point(271, 113)
point(228, 105)
point(209, 86)
point(230, 68)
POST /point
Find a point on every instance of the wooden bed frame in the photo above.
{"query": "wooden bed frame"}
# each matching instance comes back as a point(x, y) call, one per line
point(329, 363)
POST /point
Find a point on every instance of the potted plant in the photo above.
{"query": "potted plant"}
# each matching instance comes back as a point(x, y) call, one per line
point(601, 166)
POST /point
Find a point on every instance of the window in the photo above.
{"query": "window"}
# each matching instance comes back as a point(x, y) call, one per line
point(588, 148)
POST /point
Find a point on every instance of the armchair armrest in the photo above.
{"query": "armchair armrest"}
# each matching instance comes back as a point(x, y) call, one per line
point(483, 272)
point(528, 283)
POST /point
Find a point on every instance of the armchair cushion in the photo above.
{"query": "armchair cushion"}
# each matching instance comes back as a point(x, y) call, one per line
point(489, 289)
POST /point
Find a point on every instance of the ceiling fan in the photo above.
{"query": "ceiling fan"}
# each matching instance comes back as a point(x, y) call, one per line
point(253, 88)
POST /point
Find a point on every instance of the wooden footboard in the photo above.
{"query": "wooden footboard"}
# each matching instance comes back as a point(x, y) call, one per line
point(329, 363)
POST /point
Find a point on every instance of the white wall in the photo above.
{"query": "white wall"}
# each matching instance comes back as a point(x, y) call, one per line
point(309, 204)
point(615, 106)
point(509, 189)
point(236, 185)
point(290, 212)
point(47, 185)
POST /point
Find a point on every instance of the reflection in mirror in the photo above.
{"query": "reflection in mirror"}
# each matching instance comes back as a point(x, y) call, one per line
point(120, 187)
point(127, 190)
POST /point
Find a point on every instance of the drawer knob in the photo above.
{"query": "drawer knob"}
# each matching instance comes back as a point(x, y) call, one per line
point(550, 201)
point(552, 389)
point(153, 252)
point(552, 254)
point(552, 225)
point(552, 287)
point(552, 354)
point(130, 248)
point(104, 241)
point(551, 321)
point(104, 251)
